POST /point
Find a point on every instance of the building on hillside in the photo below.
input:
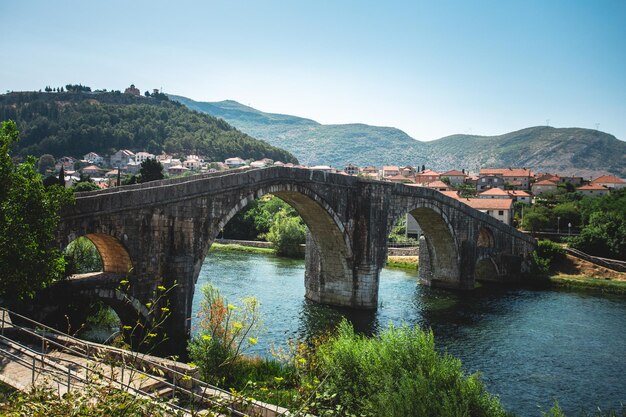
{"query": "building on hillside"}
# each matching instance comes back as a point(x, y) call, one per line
point(258, 164)
point(427, 176)
point(93, 158)
point(498, 208)
point(121, 158)
point(400, 179)
point(91, 170)
point(351, 169)
point(133, 167)
point(456, 177)
point(370, 172)
point(437, 185)
point(67, 162)
point(323, 168)
point(575, 181)
point(520, 195)
point(494, 193)
point(132, 90)
point(592, 190)
point(279, 164)
point(177, 170)
point(517, 177)
point(193, 162)
point(390, 171)
point(547, 177)
point(610, 181)
point(486, 182)
point(235, 162)
point(407, 171)
point(142, 156)
point(544, 186)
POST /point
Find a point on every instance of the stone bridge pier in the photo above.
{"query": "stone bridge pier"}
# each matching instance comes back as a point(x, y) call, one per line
point(158, 235)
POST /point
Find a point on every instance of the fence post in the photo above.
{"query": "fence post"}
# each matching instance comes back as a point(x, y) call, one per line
point(174, 390)
point(33, 374)
point(69, 379)
point(122, 378)
point(3, 322)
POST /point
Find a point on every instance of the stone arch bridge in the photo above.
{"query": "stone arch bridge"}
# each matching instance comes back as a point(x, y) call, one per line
point(163, 231)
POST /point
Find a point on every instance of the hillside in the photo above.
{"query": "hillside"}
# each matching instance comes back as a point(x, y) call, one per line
point(566, 150)
point(74, 124)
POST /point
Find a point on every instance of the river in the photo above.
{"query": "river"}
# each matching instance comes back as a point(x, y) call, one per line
point(531, 346)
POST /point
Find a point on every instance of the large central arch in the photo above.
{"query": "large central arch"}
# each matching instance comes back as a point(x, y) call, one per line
point(329, 235)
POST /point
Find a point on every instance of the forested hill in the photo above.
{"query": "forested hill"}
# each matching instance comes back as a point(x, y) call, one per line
point(574, 151)
point(75, 123)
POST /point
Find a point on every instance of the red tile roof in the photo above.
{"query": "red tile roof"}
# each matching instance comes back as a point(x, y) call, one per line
point(488, 203)
point(506, 172)
point(517, 193)
point(545, 182)
point(592, 187)
point(437, 184)
point(453, 173)
point(494, 191)
point(608, 179)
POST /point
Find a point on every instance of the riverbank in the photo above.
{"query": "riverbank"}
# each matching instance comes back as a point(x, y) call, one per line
point(575, 273)
point(403, 262)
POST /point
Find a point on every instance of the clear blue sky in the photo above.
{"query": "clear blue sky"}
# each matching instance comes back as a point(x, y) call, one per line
point(429, 68)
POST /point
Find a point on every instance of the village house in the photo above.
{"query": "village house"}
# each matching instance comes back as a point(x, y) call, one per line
point(610, 181)
point(93, 158)
point(456, 177)
point(407, 171)
point(132, 90)
point(92, 170)
point(142, 156)
point(437, 185)
point(498, 208)
point(121, 158)
point(279, 164)
point(494, 193)
point(177, 170)
point(323, 168)
point(258, 164)
point(235, 162)
point(370, 172)
point(520, 195)
point(427, 176)
point(400, 179)
point(518, 178)
point(67, 162)
point(592, 190)
point(486, 182)
point(390, 171)
point(544, 186)
point(193, 162)
point(133, 167)
point(351, 169)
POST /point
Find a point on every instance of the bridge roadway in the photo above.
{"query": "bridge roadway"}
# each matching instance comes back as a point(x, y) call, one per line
point(157, 235)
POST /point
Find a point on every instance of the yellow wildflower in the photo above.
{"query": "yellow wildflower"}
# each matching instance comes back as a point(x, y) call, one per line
point(252, 341)
point(231, 307)
point(237, 325)
point(161, 288)
point(206, 337)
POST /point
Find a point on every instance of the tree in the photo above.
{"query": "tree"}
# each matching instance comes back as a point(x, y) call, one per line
point(83, 186)
point(29, 215)
point(287, 234)
point(536, 219)
point(604, 236)
point(61, 181)
point(46, 162)
point(151, 170)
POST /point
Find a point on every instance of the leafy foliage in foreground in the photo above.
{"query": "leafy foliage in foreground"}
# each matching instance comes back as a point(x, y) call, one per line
point(29, 214)
point(76, 123)
point(93, 401)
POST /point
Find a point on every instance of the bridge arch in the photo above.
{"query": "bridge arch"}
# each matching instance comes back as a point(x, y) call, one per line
point(486, 269)
point(485, 238)
point(439, 258)
point(115, 258)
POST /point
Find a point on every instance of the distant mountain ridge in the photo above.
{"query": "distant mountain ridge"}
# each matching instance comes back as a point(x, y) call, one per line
point(574, 151)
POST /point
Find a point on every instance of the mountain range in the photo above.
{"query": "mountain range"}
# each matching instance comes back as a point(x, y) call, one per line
point(571, 151)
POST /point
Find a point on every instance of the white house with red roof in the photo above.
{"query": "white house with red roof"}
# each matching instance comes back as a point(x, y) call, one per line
point(390, 171)
point(520, 195)
point(427, 175)
point(610, 181)
point(544, 186)
point(494, 193)
point(456, 177)
point(592, 190)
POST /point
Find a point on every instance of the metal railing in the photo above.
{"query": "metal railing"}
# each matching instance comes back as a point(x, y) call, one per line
point(199, 392)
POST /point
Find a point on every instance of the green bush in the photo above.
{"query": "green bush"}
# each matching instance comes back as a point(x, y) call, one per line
point(399, 373)
point(287, 234)
point(550, 250)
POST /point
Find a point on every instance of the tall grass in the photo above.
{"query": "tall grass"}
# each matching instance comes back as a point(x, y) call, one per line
point(399, 373)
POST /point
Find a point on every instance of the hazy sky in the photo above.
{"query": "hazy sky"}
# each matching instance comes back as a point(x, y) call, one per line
point(429, 68)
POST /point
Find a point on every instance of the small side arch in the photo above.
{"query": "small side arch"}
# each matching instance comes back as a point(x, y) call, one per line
point(115, 257)
point(486, 270)
point(485, 238)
